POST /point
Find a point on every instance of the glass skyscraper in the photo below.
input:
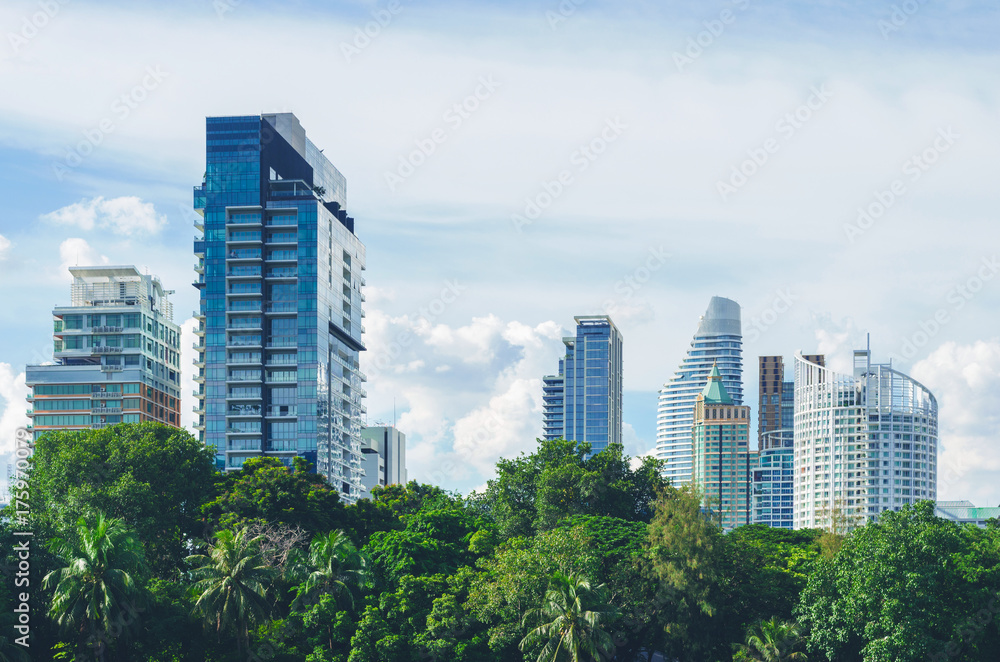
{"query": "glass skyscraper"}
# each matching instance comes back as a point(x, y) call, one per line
point(280, 322)
point(584, 401)
point(718, 341)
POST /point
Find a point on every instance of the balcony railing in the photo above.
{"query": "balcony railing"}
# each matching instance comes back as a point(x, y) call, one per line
point(106, 410)
point(107, 329)
point(104, 349)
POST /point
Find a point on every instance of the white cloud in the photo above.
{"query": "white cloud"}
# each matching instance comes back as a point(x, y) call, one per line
point(966, 381)
point(5, 245)
point(76, 252)
point(13, 393)
point(126, 215)
point(472, 396)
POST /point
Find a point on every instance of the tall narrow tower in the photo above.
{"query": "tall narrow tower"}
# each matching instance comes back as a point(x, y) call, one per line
point(584, 401)
point(718, 341)
point(281, 304)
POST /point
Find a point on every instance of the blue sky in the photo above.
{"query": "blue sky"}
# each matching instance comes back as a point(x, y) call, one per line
point(828, 106)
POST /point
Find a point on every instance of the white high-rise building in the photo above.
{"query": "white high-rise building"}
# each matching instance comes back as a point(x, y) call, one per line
point(864, 443)
point(718, 341)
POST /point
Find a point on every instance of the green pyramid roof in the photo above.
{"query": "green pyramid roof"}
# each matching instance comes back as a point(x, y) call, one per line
point(714, 392)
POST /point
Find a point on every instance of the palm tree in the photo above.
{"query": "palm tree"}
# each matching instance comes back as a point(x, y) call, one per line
point(232, 584)
point(336, 566)
point(571, 616)
point(773, 641)
point(95, 595)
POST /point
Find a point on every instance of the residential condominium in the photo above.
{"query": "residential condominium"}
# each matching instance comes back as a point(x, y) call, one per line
point(384, 452)
point(772, 465)
point(280, 318)
point(584, 401)
point(116, 355)
point(720, 452)
point(864, 443)
point(718, 341)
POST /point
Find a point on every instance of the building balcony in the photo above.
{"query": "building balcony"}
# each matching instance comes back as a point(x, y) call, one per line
point(244, 255)
point(198, 394)
point(243, 396)
point(244, 272)
point(199, 267)
point(112, 368)
point(199, 408)
point(282, 308)
point(104, 349)
point(106, 410)
point(283, 256)
point(236, 411)
point(99, 426)
point(30, 397)
point(30, 412)
point(198, 347)
point(199, 379)
point(282, 273)
point(107, 329)
point(200, 330)
point(243, 430)
point(105, 395)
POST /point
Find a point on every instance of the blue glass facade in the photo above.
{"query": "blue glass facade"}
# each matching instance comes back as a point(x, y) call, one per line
point(281, 304)
point(772, 480)
point(584, 401)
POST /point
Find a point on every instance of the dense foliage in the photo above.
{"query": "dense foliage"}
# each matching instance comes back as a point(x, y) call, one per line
point(143, 552)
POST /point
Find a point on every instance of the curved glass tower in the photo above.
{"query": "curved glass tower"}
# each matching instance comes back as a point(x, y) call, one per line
point(864, 443)
point(719, 341)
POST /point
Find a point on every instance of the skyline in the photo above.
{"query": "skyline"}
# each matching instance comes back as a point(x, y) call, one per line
point(450, 272)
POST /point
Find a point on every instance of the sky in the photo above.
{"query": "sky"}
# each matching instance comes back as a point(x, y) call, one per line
point(828, 165)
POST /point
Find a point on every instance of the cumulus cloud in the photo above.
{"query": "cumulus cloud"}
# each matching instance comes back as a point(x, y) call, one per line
point(837, 341)
point(467, 395)
point(126, 215)
point(5, 245)
point(966, 381)
point(12, 392)
point(76, 252)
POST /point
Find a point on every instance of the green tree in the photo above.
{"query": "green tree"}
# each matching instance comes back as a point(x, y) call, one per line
point(335, 567)
point(573, 616)
point(96, 595)
point(265, 490)
point(908, 587)
point(153, 477)
point(772, 641)
point(232, 583)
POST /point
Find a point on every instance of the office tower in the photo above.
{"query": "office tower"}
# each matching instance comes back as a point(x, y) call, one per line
point(771, 468)
point(718, 341)
point(584, 401)
point(864, 443)
point(281, 305)
point(720, 460)
point(116, 355)
point(384, 456)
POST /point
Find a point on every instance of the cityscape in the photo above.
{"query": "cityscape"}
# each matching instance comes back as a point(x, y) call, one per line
point(713, 350)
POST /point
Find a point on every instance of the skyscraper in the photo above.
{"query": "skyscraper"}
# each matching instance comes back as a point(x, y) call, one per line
point(384, 451)
point(117, 355)
point(584, 401)
point(864, 443)
point(281, 303)
point(771, 468)
point(720, 442)
point(718, 341)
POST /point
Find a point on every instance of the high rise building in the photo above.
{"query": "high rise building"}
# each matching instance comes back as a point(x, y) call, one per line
point(718, 341)
point(116, 355)
point(584, 401)
point(281, 304)
point(864, 443)
point(771, 468)
point(384, 456)
point(721, 453)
